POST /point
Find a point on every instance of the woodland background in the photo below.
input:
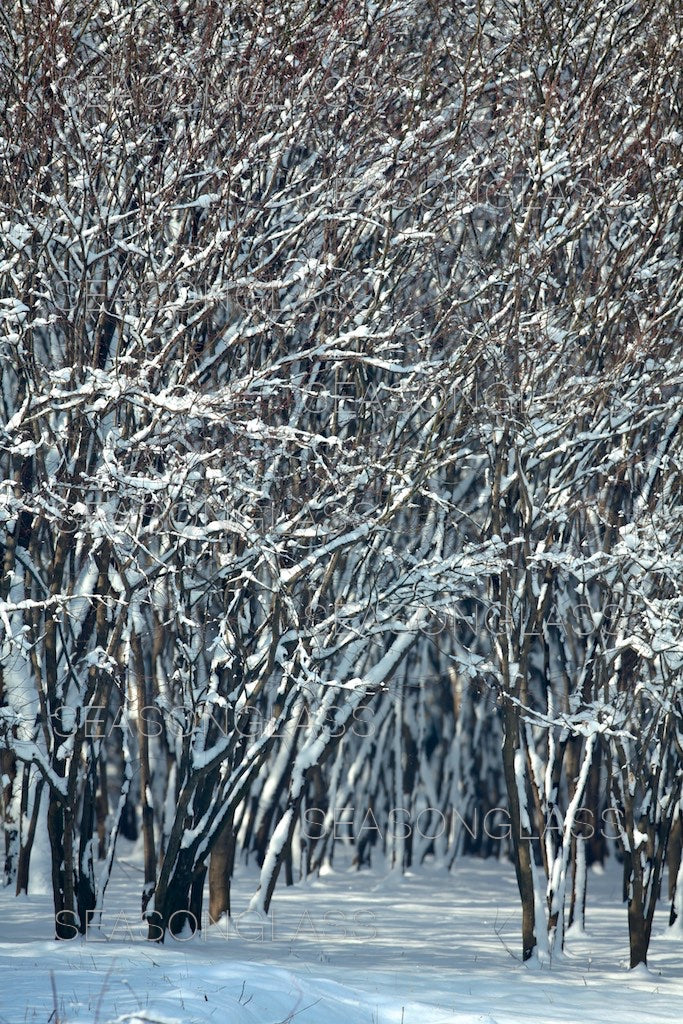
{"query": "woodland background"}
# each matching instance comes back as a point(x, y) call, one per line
point(340, 444)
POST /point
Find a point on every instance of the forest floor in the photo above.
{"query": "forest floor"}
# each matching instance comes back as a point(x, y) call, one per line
point(351, 947)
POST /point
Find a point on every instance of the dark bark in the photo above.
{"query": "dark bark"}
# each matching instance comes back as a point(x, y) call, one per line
point(638, 931)
point(197, 896)
point(286, 848)
point(150, 863)
point(24, 857)
point(673, 863)
point(102, 809)
point(521, 842)
point(85, 882)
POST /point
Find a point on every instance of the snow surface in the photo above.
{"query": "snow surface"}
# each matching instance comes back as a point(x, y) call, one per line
point(347, 948)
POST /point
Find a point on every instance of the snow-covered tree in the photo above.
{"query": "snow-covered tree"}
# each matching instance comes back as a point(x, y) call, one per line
point(340, 451)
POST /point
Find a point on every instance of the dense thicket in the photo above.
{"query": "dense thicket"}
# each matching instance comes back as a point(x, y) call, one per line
point(340, 493)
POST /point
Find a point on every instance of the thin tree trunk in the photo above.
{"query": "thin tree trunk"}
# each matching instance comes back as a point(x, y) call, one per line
point(638, 932)
point(220, 871)
point(673, 861)
point(24, 858)
point(521, 843)
point(197, 898)
point(102, 809)
point(145, 774)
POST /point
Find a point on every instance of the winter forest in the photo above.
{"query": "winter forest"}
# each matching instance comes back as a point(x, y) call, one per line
point(341, 454)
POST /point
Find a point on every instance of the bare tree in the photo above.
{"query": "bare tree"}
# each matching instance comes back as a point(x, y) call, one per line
point(340, 389)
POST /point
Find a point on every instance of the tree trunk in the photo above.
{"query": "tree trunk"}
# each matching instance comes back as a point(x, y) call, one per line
point(66, 925)
point(85, 886)
point(638, 931)
point(26, 845)
point(197, 898)
point(145, 774)
point(176, 911)
point(577, 909)
point(102, 808)
point(673, 861)
point(220, 872)
point(521, 843)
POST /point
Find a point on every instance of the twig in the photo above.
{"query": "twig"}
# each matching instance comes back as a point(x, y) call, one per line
point(102, 991)
point(55, 1012)
point(295, 1013)
point(502, 941)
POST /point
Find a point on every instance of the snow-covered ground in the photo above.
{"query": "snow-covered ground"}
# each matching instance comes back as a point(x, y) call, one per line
point(348, 948)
